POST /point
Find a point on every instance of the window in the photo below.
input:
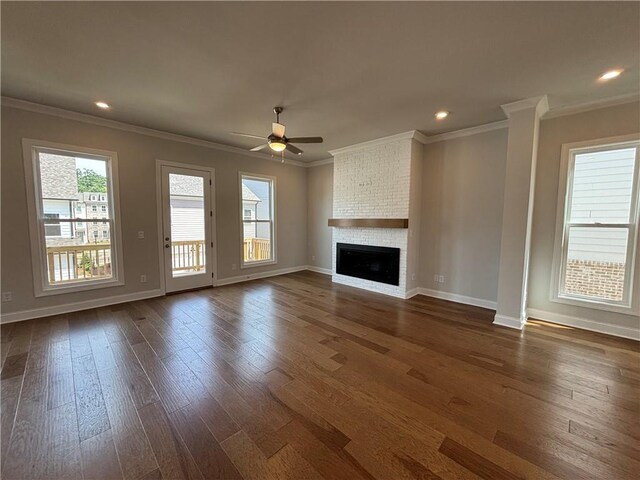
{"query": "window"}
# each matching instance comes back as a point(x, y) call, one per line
point(597, 231)
point(94, 208)
point(104, 208)
point(52, 225)
point(65, 258)
point(258, 225)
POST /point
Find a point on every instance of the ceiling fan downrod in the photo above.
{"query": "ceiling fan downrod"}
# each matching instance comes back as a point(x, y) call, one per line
point(277, 111)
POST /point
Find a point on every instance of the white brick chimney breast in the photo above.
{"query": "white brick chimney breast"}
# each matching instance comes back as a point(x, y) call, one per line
point(379, 179)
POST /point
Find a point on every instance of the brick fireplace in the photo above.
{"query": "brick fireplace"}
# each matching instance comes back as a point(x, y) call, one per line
point(381, 180)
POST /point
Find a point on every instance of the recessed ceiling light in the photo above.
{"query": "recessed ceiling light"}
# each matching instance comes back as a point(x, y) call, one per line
point(441, 115)
point(611, 74)
point(102, 105)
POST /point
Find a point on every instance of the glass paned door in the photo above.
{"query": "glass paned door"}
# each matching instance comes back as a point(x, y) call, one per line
point(187, 218)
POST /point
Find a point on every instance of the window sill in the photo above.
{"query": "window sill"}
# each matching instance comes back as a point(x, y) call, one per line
point(257, 264)
point(81, 287)
point(595, 305)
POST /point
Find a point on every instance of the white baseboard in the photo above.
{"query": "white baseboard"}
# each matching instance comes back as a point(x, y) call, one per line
point(324, 271)
point(255, 276)
point(502, 320)
point(412, 293)
point(584, 324)
point(76, 306)
point(454, 297)
point(510, 322)
point(131, 297)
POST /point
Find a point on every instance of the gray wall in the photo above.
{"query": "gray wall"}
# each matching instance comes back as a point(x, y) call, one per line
point(460, 214)
point(320, 208)
point(461, 206)
point(592, 125)
point(462, 194)
point(137, 156)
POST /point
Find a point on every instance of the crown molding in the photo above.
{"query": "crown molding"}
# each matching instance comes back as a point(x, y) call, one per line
point(319, 163)
point(418, 136)
point(466, 132)
point(410, 135)
point(572, 109)
point(540, 103)
point(127, 127)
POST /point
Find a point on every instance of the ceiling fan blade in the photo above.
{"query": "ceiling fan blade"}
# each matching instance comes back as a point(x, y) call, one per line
point(305, 140)
point(246, 135)
point(277, 129)
point(259, 147)
point(293, 149)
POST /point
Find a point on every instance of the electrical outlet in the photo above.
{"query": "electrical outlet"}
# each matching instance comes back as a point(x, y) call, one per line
point(413, 276)
point(313, 257)
point(440, 278)
point(143, 279)
point(141, 234)
point(233, 266)
point(7, 296)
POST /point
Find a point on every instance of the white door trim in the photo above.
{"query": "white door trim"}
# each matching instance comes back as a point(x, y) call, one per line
point(159, 218)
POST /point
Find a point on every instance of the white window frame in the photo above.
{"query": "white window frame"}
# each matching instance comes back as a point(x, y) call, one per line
point(42, 287)
point(272, 207)
point(629, 304)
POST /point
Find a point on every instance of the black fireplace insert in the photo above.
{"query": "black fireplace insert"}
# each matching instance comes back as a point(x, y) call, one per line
point(380, 264)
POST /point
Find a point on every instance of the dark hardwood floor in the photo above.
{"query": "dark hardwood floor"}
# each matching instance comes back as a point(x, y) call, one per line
point(295, 378)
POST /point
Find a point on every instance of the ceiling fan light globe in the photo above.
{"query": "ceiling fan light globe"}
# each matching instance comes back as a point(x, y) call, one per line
point(277, 146)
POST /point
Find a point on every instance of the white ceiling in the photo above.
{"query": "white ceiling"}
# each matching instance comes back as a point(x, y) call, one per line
point(350, 72)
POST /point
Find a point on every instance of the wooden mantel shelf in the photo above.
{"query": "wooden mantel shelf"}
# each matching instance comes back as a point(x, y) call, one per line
point(370, 222)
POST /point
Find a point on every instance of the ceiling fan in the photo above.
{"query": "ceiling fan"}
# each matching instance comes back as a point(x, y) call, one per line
point(277, 141)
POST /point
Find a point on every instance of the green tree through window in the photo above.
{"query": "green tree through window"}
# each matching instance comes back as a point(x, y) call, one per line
point(90, 181)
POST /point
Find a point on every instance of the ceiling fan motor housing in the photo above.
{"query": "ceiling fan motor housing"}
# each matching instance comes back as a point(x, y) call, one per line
point(275, 138)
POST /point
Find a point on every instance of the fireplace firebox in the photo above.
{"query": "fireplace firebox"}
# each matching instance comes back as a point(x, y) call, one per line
point(379, 264)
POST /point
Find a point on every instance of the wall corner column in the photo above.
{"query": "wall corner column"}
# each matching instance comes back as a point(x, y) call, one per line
point(522, 145)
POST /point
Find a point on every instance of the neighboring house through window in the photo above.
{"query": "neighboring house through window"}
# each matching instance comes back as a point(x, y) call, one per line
point(597, 233)
point(258, 225)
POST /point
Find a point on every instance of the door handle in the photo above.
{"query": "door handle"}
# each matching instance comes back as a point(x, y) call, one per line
point(166, 245)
